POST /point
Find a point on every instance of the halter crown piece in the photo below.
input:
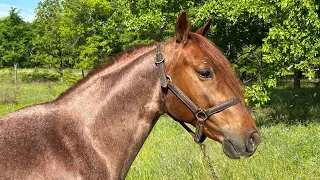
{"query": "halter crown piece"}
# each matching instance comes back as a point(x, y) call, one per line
point(201, 115)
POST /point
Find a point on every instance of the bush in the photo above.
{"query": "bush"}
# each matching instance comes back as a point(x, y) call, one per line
point(70, 77)
point(38, 76)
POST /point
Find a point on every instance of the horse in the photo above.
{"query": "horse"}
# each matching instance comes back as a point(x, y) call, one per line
point(95, 129)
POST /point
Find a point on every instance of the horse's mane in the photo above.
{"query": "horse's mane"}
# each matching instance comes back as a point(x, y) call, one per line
point(220, 62)
point(122, 56)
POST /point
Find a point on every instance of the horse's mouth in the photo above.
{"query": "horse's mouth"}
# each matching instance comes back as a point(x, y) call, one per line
point(232, 146)
point(227, 145)
point(230, 150)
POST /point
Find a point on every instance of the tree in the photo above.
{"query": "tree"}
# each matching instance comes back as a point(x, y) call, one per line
point(14, 40)
point(154, 20)
point(293, 40)
point(273, 39)
point(91, 29)
point(49, 49)
point(264, 40)
point(98, 29)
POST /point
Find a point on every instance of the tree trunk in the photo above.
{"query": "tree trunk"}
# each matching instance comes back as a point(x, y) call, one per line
point(15, 73)
point(297, 77)
point(61, 66)
point(61, 63)
point(260, 68)
point(318, 76)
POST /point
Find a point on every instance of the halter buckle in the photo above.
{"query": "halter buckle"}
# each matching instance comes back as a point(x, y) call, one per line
point(159, 58)
point(201, 116)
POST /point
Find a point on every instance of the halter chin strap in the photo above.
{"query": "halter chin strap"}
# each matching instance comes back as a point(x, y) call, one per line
point(200, 114)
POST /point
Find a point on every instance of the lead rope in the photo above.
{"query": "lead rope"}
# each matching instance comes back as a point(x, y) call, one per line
point(207, 159)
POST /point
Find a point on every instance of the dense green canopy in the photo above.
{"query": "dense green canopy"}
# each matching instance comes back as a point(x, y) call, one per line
point(264, 39)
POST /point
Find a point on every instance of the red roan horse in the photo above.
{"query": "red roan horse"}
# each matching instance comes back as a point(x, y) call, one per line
point(96, 128)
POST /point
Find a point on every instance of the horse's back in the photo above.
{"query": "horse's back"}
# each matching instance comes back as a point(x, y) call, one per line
point(28, 141)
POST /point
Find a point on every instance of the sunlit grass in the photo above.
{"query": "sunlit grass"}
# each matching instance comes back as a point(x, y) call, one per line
point(15, 96)
point(286, 152)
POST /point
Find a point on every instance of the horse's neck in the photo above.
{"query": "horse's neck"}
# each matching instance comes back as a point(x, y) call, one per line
point(118, 108)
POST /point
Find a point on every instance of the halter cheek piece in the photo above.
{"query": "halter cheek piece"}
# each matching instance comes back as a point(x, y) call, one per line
point(201, 115)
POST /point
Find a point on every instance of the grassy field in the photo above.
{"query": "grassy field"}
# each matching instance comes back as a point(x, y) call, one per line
point(290, 126)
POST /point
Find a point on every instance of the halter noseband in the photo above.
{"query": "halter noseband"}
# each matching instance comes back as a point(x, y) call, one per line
point(201, 115)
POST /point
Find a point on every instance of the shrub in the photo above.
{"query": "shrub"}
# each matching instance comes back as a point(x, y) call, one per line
point(39, 76)
point(69, 77)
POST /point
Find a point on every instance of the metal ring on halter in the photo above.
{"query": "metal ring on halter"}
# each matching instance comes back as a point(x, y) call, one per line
point(159, 58)
point(169, 78)
point(201, 115)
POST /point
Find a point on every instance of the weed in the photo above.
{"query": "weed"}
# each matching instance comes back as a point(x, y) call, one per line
point(9, 95)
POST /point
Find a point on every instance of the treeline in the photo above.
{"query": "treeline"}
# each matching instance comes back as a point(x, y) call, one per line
point(264, 39)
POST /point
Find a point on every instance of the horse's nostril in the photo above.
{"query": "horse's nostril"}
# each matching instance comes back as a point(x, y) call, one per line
point(253, 141)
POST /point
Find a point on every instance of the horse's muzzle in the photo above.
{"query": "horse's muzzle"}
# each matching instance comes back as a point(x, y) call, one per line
point(236, 148)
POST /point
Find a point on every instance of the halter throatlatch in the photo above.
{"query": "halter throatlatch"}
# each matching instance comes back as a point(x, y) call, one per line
point(160, 63)
point(201, 115)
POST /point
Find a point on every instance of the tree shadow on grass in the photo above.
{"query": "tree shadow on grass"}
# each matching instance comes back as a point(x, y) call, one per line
point(290, 106)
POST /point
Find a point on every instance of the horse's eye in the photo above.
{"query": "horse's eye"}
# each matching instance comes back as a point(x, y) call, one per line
point(205, 73)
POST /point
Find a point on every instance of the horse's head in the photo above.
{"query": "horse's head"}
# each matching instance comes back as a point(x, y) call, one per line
point(205, 76)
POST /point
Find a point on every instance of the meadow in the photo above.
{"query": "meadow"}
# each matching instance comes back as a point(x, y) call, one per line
point(289, 124)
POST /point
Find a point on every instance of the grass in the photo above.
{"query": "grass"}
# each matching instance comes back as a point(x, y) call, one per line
point(289, 150)
point(286, 152)
point(15, 96)
point(291, 106)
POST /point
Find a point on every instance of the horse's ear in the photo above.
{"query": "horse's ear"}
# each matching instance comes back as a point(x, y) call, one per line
point(205, 28)
point(182, 28)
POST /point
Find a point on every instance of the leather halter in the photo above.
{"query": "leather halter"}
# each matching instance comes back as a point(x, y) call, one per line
point(200, 114)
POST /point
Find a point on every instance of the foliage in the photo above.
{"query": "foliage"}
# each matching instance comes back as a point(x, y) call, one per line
point(70, 77)
point(98, 29)
point(14, 40)
point(264, 40)
point(293, 41)
point(49, 49)
point(38, 76)
point(90, 28)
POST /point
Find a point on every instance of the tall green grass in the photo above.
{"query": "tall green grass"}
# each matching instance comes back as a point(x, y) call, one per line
point(33, 86)
point(289, 149)
point(286, 152)
point(15, 96)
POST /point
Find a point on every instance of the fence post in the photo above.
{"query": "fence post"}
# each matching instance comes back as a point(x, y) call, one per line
point(15, 72)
